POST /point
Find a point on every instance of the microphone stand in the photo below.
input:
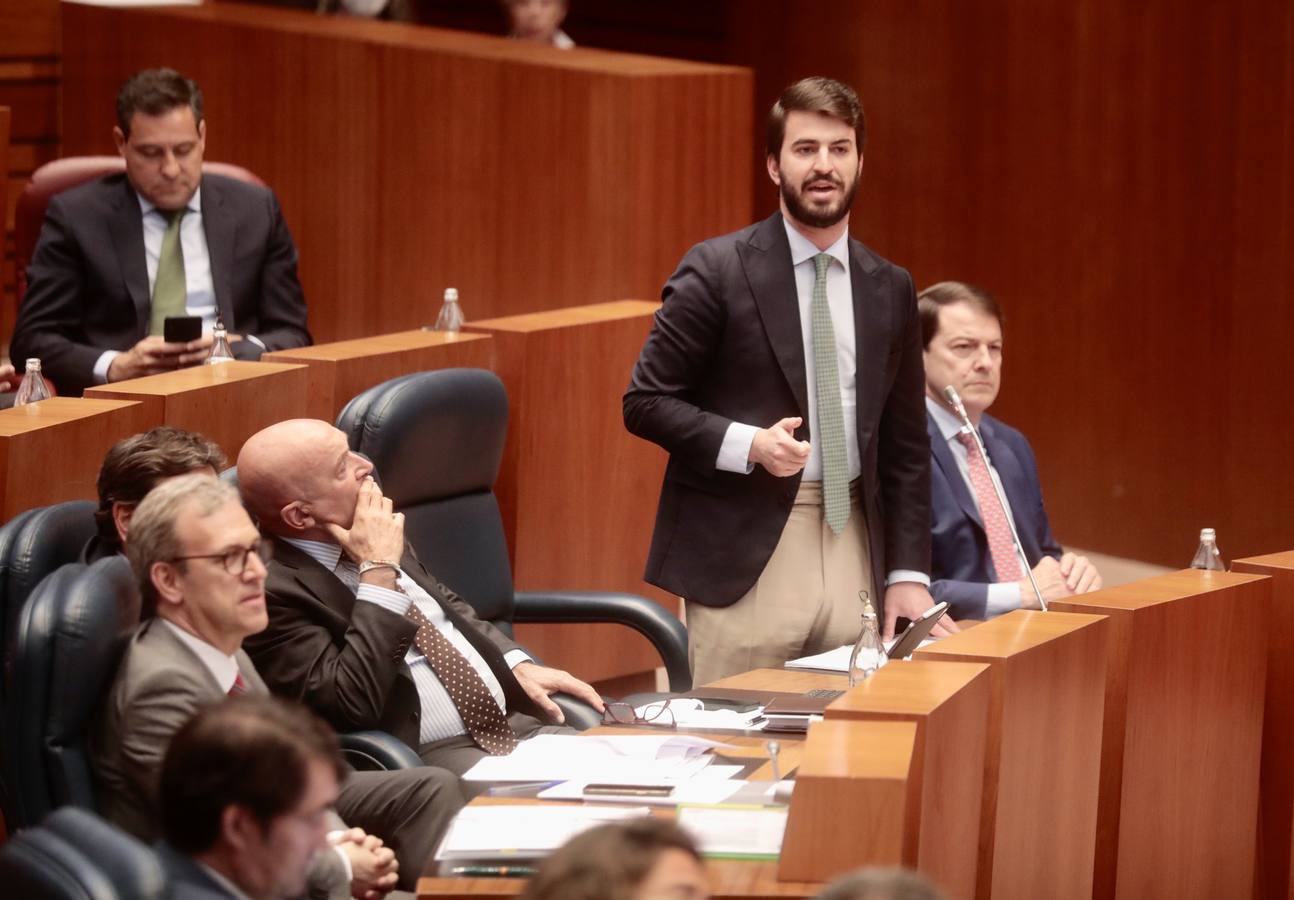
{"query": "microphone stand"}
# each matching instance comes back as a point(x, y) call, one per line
point(955, 401)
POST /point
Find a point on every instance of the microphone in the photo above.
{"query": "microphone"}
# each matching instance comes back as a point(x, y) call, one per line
point(955, 401)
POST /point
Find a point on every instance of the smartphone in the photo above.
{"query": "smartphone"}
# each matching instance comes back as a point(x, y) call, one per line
point(181, 329)
point(917, 631)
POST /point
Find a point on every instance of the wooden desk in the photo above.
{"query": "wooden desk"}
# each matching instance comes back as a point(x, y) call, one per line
point(1274, 872)
point(576, 490)
point(227, 403)
point(51, 451)
point(1042, 759)
point(1183, 732)
point(410, 159)
point(340, 370)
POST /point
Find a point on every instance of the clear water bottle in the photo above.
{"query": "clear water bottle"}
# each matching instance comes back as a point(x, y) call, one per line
point(1208, 556)
point(33, 387)
point(451, 314)
point(869, 650)
point(220, 350)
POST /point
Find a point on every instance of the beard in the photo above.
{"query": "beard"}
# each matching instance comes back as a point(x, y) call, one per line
point(815, 216)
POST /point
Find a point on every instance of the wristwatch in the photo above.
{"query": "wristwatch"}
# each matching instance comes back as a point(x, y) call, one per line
point(369, 565)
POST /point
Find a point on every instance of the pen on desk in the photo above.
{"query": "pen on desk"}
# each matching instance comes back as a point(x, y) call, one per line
point(523, 787)
point(773, 748)
point(492, 871)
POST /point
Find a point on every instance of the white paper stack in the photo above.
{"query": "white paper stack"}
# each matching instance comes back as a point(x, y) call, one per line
point(616, 759)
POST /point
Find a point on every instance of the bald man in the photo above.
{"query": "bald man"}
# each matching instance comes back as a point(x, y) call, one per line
point(360, 630)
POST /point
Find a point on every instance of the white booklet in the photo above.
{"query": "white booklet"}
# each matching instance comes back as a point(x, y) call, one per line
point(618, 759)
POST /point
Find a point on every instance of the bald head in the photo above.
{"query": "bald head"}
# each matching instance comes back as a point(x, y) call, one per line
point(300, 476)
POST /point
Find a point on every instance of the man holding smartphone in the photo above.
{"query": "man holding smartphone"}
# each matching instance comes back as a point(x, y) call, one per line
point(121, 255)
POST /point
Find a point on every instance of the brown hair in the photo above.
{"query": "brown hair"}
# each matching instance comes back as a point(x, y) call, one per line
point(820, 95)
point(881, 884)
point(154, 92)
point(607, 862)
point(246, 751)
point(135, 465)
point(946, 293)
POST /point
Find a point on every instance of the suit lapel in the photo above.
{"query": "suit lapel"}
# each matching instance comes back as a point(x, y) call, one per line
point(766, 261)
point(317, 580)
point(873, 320)
point(163, 641)
point(128, 242)
point(952, 475)
point(221, 231)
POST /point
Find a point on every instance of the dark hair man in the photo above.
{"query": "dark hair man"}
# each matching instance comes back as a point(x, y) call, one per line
point(639, 859)
point(783, 375)
point(120, 254)
point(244, 793)
point(874, 883)
point(973, 560)
point(201, 569)
point(360, 630)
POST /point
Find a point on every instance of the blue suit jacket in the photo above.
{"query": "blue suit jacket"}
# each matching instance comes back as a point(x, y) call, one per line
point(960, 566)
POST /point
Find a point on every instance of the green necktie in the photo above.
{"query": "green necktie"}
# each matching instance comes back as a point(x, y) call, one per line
point(831, 420)
point(170, 295)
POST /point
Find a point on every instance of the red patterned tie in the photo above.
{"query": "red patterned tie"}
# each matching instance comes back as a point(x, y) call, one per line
point(1000, 546)
point(239, 686)
point(481, 714)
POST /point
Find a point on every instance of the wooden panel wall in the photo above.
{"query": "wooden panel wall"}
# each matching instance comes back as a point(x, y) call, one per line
point(408, 159)
point(29, 73)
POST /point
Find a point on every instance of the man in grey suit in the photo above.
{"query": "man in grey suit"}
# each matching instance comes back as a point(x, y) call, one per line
point(199, 562)
point(119, 255)
point(244, 792)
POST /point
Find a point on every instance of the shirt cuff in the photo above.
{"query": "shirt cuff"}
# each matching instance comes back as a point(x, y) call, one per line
point(734, 453)
point(393, 601)
point(898, 575)
point(1002, 598)
point(100, 373)
point(255, 340)
point(515, 658)
point(334, 838)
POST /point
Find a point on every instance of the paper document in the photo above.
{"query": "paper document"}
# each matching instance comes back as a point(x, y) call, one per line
point(522, 831)
point(695, 790)
point(691, 713)
point(735, 831)
point(618, 759)
point(835, 660)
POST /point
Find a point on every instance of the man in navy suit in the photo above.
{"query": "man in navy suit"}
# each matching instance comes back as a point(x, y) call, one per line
point(974, 566)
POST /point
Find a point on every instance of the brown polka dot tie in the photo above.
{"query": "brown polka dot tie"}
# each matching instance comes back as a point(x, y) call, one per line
point(481, 714)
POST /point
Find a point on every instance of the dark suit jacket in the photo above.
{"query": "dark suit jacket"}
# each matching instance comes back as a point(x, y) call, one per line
point(345, 659)
point(88, 278)
point(961, 568)
point(726, 347)
point(187, 879)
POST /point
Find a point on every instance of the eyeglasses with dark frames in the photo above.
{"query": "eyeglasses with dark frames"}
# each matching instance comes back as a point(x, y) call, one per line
point(235, 559)
point(658, 713)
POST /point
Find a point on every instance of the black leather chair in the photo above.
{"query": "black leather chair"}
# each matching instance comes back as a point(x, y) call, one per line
point(437, 440)
point(32, 545)
point(67, 646)
point(75, 855)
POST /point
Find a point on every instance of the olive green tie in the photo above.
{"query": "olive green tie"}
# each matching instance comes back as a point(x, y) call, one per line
point(170, 295)
point(831, 419)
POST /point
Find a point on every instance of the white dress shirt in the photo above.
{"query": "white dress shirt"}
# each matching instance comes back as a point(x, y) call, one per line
point(1003, 596)
point(734, 453)
point(440, 717)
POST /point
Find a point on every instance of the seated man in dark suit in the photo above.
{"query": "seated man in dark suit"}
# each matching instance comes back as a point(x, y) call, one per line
point(187, 654)
point(359, 630)
point(974, 566)
point(119, 255)
point(244, 792)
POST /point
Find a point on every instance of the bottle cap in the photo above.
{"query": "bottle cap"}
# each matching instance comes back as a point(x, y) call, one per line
point(1208, 534)
point(33, 363)
point(451, 294)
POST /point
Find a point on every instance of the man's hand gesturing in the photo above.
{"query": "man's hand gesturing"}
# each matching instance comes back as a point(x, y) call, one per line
point(776, 449)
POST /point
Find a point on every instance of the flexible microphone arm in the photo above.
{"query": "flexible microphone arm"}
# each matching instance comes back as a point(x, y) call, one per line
point(950, 394)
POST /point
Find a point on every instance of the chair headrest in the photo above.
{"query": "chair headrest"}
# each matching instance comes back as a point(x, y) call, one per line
point(432, 435)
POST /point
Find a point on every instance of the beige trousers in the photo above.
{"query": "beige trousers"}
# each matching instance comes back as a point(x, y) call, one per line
point(805, 601)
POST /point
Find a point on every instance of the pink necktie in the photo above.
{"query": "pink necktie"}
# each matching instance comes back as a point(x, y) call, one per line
point(1000, 547)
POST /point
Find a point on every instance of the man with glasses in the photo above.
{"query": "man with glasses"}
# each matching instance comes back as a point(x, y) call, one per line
point(200, 563)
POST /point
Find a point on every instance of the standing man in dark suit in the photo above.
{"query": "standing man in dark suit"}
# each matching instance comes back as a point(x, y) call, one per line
point(360, 631)
point(120, 254)
point(974, 565)
point(244, 793)
point(783, 375)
